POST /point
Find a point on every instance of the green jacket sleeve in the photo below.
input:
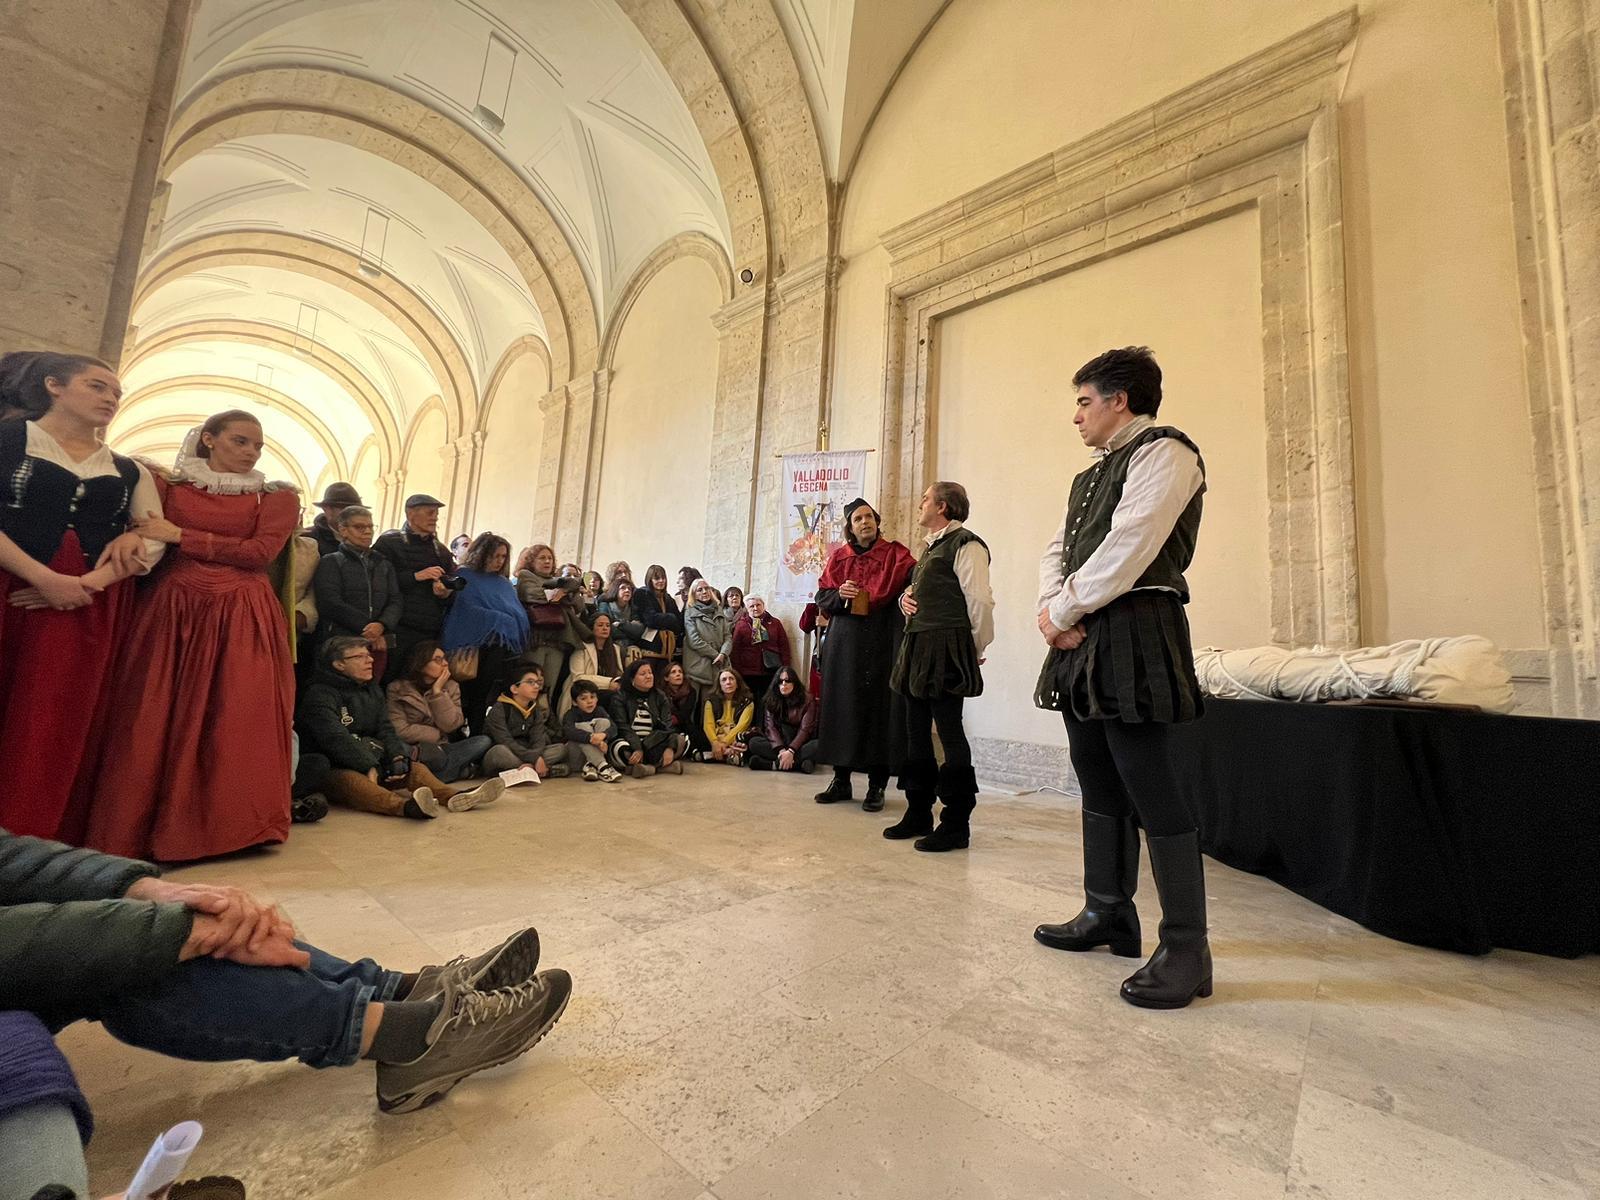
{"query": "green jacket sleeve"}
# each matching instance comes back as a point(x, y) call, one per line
point(67, 957)
point(319, 722)
point(34, 870)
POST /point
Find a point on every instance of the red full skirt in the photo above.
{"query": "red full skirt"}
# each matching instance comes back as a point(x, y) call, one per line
point(53, 670)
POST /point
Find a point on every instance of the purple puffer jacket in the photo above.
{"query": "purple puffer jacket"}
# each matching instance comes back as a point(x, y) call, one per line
point(32, 1069)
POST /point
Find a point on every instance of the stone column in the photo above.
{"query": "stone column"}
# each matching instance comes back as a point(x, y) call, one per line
point(460, 463)
point(553, 405)
point(736, 441)
point(89, 88)
point(1550, 55)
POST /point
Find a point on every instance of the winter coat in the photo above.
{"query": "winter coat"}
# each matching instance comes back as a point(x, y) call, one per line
point(67, 939)
point(657, 614)
point(795, 729)
point(422, 716)
point(748, 657)
point(525, 734)
point(584, 663)
point(354, 589)
point(706, 637)
point(348, 722)
point(626, 627)
point(619, 706)
point(421, 611)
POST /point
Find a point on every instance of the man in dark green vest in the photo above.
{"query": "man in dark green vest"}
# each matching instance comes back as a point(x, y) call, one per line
point(1120, 670)
point(949, 624)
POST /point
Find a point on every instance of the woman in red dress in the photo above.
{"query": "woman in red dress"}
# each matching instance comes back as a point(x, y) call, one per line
point(65, 502)
point(198, 763)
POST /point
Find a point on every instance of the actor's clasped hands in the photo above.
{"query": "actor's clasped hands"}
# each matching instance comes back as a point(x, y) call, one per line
point(1061, 639)
point(229, 923)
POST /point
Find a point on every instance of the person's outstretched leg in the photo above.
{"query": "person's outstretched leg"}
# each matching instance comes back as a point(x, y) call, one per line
point(352, 789)
point(1110, 851)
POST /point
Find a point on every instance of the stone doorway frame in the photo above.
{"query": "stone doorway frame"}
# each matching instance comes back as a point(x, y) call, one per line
point(1261, 134)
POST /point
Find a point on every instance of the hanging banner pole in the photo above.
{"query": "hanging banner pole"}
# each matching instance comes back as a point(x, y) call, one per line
point(816, 487)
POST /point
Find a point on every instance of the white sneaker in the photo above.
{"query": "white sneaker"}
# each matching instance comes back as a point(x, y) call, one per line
point(590, 772)
point(609, 774)
point(485, 794)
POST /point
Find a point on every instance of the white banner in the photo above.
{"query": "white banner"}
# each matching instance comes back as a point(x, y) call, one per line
point(816, 487)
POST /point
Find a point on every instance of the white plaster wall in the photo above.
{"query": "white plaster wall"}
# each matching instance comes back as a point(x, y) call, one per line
point(364, 477)
point(1005, 431)
point(425, 470)
point(657, 450)
point(509, 477)
point(1444, 453)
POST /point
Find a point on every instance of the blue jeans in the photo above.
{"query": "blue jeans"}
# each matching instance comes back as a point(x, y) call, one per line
point(451, 761)
point(209, 1010)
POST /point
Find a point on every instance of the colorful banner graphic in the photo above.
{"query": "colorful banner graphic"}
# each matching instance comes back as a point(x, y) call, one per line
point(816, 487)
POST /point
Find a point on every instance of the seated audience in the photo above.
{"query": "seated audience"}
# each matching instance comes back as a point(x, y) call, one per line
point(519, 725)
point(684, 699)
point(425, 710)
point(646, 740)
point(345, 716)
point(486, 626)
point(707, 639)
point(789, 725)
point(733, 603)
point(661, 614)
point(356, 589)
point(590, 733)
point(760, 645)
point(308, 803)
point(207, 972)
point(726, 717)
point(599, 660)
point(336, 497)
point(627, 630)
point(551, 604)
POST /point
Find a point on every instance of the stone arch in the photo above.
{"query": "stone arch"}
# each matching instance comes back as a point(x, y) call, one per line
point(434, 405)
point(522, 348)
point(320, 102)
point(269, 396)
point(339, 369)
point(329, 264)
point(685, 245)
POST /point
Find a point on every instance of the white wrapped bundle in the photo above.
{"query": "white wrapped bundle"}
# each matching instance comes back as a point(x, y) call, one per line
point(1455, 670)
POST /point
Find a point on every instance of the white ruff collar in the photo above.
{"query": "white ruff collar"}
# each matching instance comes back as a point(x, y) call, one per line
point(191, 468)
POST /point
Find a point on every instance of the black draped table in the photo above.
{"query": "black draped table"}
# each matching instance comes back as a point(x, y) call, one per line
point(1460, 830)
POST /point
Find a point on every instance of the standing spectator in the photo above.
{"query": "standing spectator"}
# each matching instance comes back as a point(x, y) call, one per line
point(66, 503)
point(726, 717)
point(425, 710)
point(627, 630)
point(550, 601)
point(686, 581)
point(357, 593)
point(707, 639)
point(425, 571)
point(789, 721)
point(599, 660)
point(589, 732)
point(325, 528)
point(862, 722)
point(646, 741)
point(760, 644)
point(459, 545)
point(345, 717)
point(661, 614)
point(616, 572)
point(198, 763)
point(486, 623)
point(519, 725)
point(814, 621)
point(593, 585)
point(733, 603)
point(950, 623)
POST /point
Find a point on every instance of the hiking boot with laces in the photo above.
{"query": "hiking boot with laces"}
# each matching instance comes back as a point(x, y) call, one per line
point(510, 963)
point(473, 1032)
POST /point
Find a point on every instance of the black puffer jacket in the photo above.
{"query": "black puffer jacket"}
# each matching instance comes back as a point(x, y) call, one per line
point(420, 610)
point(348, 722)
point(67, 939)
point(354, 589)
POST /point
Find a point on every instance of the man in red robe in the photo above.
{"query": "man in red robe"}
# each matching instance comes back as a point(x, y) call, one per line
point(862, 722)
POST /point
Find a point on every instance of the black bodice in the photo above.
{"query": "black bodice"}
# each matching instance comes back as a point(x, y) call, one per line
point(40, 501)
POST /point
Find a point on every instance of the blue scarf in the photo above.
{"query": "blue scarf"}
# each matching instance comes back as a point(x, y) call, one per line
point(486, 612)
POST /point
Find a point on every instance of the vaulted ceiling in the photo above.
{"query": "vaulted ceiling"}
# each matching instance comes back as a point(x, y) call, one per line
point(369, 203)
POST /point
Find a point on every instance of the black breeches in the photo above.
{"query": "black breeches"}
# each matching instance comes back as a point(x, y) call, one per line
point(1126, 770)
point(922, 717)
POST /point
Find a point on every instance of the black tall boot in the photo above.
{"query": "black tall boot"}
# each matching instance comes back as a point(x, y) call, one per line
point(838, 790)
point(1110, 876)
point(1180, 969)
point(958, 792)
point(917, 781)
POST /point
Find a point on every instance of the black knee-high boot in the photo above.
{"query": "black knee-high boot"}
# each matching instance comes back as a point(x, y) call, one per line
point(917, 781)
point(958, 792)
point(1180, 969)
point(1110, 876)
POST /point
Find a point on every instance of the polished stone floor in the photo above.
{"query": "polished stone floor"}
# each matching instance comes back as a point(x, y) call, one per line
point(773, 1002)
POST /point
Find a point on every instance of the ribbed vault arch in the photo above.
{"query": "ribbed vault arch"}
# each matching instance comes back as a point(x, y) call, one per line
point(685, 245)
